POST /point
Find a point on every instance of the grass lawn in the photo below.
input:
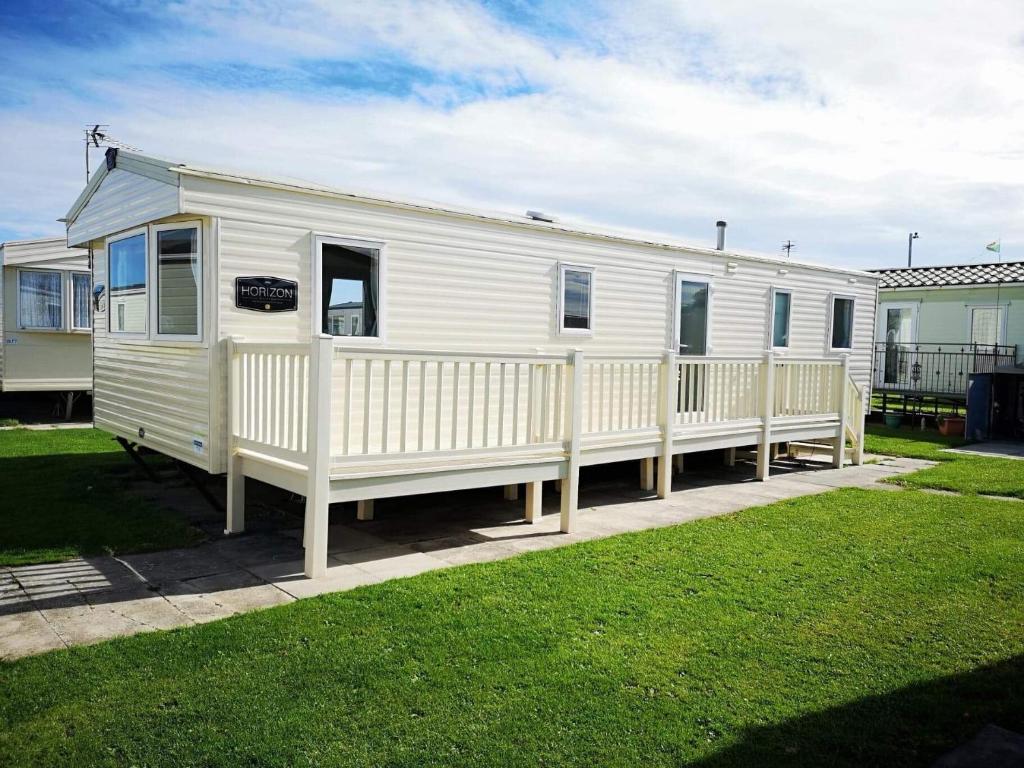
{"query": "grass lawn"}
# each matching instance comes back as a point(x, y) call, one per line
point(853, 628)
point(956, 472)
point(63, 497)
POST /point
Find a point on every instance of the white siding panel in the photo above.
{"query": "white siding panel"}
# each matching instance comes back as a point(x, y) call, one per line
point(456, 283)
point(51, 252)
point(123, 200)
point(160, 387)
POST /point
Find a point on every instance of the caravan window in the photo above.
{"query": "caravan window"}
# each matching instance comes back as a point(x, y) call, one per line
point(782, 302)
point(575, 299)
point(350, 277)
point(127, 275)
point(81, 309)
point(842, 323)
point(40, 300)
point(177, 281)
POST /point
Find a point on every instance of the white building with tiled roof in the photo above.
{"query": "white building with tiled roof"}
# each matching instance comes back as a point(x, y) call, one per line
point(950, 317)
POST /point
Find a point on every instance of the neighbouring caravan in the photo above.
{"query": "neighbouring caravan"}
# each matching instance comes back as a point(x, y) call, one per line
point(351, 347)
point(45, 317)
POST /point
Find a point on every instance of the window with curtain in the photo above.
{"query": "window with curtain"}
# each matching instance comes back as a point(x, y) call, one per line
point(577, 288)
point(986, 325)
point(81, 308)
point(126, 271)
point(40, 300)
point(842, 323)
point(177, 281)
point(349, 283)
point(781, 305)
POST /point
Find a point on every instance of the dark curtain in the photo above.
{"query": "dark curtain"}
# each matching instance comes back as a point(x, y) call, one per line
point(340, 263)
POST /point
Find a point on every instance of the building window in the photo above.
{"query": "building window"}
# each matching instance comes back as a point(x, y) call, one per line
point(693, 300)
point(575, 299)
point(841, 335)
point(81, 307)
point(178, 270)
point(350, 277)
point(40, 300)
point(987, 325)
point(127, 275)
point(782, 302)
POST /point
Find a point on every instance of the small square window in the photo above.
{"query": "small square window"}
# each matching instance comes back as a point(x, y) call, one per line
point(81, 309)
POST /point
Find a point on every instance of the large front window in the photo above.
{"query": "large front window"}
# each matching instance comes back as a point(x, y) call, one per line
point(987, 325)
point(350, 276)
point(127, 276)
point(177, 281)
point(40, 300)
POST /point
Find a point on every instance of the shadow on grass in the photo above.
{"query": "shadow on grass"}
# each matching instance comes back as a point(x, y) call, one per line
point(67, 505)
point(912, 726)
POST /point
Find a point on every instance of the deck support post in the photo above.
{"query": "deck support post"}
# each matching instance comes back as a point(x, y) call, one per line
point(364, 509)
point(764, 448)
point(573, 428)
point(839, 448)
point(534, 501)
point(647, 474)
point(858, 451)
point(235, 522)
point(666, 409)
point(512, 492)
point(318, 481)
point(680, 461)
point(729, 457)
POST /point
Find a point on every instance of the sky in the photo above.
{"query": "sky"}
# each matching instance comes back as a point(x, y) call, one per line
point(841, 126)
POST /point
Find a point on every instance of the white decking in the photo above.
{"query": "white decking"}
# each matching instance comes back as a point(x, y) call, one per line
point(353, 424)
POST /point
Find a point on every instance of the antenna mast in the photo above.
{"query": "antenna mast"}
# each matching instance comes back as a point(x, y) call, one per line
point(96, 136)
point(788, 246)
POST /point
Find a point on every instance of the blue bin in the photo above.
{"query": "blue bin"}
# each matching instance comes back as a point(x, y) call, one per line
point(979, 406)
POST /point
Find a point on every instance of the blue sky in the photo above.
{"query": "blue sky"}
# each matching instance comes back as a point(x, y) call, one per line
point(841, 128)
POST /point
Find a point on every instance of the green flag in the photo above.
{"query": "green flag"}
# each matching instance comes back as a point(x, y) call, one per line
point(993, 246)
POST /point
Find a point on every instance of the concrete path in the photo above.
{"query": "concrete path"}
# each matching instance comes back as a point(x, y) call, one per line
point(43, 607)
point(1003, 449)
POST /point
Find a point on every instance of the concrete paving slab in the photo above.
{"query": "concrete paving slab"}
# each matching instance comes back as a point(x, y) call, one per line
point(25, 634)
point(1003, 449)
point(177, 564)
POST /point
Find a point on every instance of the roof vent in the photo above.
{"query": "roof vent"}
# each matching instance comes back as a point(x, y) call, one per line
point(540, 216)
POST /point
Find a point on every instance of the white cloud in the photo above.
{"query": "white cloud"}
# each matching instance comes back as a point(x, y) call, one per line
point(841, 127)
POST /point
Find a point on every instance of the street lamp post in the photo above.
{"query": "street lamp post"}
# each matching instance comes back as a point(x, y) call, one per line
point(910, 247)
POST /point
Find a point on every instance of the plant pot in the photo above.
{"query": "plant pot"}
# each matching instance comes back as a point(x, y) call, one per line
point(952, 426)
point(893, 420)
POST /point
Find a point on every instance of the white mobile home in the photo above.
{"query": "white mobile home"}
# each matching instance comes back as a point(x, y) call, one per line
point(489, 349)
point(45, 317)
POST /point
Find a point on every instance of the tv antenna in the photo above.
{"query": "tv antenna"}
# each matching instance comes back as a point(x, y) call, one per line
point(788, 246)
point(96, 136)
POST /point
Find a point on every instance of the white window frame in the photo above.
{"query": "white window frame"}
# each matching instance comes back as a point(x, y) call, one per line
point(62, 274)
point(883, 309)
point(693, 277)
point(153, 267)
point(832, 318)
point(1003, 315)
point(71, 303)
point(775, 291)
point(563, 267)
point(319, 239)
point(144, 231)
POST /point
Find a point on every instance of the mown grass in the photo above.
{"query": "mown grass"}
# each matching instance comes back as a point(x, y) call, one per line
point(65, 496)
point(853, 628)
point(961, 473)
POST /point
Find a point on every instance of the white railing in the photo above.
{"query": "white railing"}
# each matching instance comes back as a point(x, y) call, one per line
point(620, 394)
point(396, 402)
point(380, 405)
point(269, 398)
point(807, 387)
point(716, 391)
